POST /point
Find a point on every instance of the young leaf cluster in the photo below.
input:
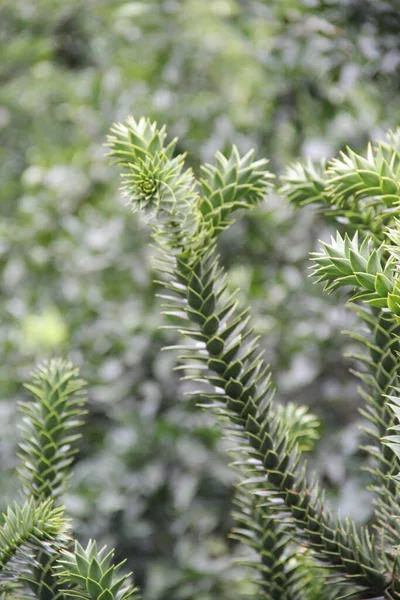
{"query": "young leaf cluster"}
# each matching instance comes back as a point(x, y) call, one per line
point(94, 574)
point(362, 192)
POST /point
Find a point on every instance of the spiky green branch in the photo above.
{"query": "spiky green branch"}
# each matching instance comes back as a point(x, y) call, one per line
point(35, 561)
point(240, 381)
point(360, 192)
point(283, 570)
point(49, 428)
point(371, 273)
point(243, 394)
point(363, 193)
point(49, 432)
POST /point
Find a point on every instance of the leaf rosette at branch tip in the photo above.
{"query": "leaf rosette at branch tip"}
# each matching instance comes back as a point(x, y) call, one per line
point(155, 182)
point(362, 192)
point(50, 427)
point(144, 186)
point(234, 182)
point(372, 271)
point(29, 527)
point(183, 211)
point(92, 571)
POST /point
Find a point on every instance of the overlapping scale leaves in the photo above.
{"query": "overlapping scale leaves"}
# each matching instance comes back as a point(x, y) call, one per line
point(35, 560)
point(370, 269)
point(303, 427)
point(282, 570)
point(360, 188)
point(375, 176)
point(40, 578)
point(392, 441)
point(233, 182)
point(225, 357)
point(305, 184)
point(363, 266)
point(49, 432)
point(156, 181)
point(242, 394)
point(29, 529)
point(361, 191)
point(271, 542)
point(379, 371)
point(393, 247)
point(49, 428)
point(95, 576)
point(30, 523)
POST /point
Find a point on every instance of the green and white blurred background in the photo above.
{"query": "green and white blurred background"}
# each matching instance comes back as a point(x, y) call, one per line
point(292, 78)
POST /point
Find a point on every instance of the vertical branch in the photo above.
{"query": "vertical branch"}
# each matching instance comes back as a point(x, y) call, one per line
point(47, 450)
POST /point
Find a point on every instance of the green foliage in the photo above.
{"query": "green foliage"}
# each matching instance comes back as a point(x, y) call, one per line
point(95, 576)
point(393, 440)
point(35, 560)
point(30, 524)
point(345, 262)
point(155, 181)
point(281, 574)
point(224, 355)
point(362, 191)
point(289, 78)
point(300, 545)
point(303, 427)
point(233, 182)
point(47, 450)
point(31, 532)
point(370, 269)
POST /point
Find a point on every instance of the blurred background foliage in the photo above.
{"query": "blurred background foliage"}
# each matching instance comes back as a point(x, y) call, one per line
point(292, 78)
